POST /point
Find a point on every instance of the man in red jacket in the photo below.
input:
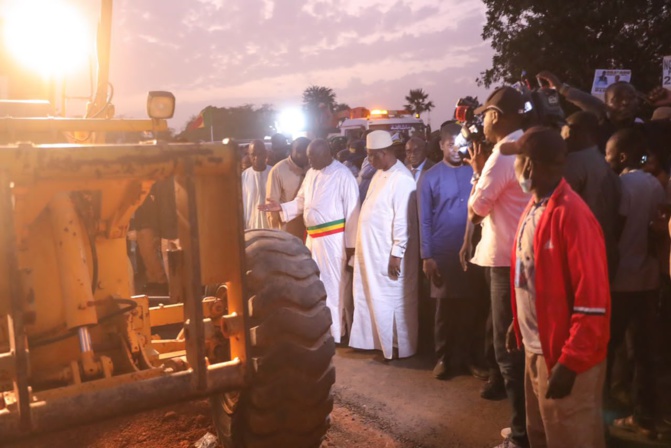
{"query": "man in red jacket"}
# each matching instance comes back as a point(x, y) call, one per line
point(560, 299)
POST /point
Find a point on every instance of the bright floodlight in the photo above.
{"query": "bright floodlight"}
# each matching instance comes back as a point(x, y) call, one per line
point(48, 36)
point(291, 122)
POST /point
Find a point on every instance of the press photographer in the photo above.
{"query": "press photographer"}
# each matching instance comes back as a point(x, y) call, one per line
point(498, 201)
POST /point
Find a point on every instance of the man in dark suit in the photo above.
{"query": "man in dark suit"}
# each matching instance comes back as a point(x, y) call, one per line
point(416, 150)
point(415, 157)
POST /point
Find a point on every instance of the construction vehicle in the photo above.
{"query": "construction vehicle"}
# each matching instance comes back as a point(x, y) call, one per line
point(76, 344)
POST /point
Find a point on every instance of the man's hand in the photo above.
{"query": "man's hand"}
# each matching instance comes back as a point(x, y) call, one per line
point(660, 96)
point(430, 268)
point(465, 254)
point(477, 157)
point(560, 383)
point(394, 269)
point(271, 206)
point(511, 340)
point(550, 78)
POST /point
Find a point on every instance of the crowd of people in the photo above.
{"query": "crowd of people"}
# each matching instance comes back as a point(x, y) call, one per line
point(536, 261)
point(544, 252)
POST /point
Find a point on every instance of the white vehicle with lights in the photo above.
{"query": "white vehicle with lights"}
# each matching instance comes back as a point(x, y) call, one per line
point(362, 120)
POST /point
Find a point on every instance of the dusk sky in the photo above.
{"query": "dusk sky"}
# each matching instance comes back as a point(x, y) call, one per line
point(234, 52)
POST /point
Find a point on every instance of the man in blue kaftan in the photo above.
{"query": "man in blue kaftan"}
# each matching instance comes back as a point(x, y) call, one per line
point(443, 193)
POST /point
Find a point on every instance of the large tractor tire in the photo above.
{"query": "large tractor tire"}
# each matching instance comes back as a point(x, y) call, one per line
point(289, 400)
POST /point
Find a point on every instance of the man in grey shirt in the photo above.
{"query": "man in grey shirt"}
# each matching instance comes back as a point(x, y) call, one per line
point(636, 283)
point(589, 175)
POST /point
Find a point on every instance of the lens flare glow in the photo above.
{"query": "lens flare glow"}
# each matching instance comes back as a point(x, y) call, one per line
point(291, 123)
point(47, 36)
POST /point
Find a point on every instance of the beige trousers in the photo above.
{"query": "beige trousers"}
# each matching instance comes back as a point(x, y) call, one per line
point(574, 421)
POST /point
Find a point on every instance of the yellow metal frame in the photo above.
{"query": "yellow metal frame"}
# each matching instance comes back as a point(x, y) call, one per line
point(10, 125)
point(115, 178)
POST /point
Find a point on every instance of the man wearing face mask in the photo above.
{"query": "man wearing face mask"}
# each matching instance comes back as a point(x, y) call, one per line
point(443, 194)
point(561, 299)
point(497, 202)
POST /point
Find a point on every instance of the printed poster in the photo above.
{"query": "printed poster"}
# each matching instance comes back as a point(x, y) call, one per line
point(603, 78)
point(666, 72)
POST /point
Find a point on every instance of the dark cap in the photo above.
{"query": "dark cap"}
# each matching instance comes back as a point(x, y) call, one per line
point(539, 143)
point(583, 120)
point(507, 100)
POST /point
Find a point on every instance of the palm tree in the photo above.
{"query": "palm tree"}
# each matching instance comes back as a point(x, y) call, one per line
point(318, 104)
point(417, 102)
point(313, 96)
point(428, 106)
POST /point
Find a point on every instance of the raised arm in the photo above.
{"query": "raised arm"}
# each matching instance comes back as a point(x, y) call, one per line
point(583, 100)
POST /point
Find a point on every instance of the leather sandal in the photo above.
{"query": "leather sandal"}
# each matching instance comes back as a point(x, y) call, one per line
point(631, 425)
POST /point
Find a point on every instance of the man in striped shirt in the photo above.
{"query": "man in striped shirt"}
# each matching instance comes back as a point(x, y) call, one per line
point(328, 200)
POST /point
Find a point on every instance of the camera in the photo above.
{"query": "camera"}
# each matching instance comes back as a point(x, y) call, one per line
point(541, 104)
point(471, 124)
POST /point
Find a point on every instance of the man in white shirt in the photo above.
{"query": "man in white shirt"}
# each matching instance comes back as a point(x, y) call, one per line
point(497, 202)
point(254, 180)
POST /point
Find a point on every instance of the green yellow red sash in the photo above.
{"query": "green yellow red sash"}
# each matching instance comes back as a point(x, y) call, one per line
point(328, 228)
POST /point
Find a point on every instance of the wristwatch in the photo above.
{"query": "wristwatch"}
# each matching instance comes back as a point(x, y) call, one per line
point(475, 178)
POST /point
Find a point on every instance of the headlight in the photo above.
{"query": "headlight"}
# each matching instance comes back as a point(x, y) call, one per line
point(160, 104)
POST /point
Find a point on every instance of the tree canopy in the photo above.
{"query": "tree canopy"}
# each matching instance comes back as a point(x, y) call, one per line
point(313, 96)
point(417, 102)
point(572, 38)
point(319, 103)
point(240, 122)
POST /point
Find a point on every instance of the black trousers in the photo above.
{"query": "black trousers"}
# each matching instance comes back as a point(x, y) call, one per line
point(481, 346)
point(452, 331)
point(637, 310)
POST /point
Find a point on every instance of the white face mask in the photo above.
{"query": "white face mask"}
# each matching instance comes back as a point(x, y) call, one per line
point(525, 184)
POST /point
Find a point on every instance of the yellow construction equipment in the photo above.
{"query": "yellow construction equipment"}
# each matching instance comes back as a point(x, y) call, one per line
point(77, 344)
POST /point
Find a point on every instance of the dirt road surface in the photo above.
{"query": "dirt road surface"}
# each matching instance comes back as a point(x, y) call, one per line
point(408, 404)
point(395, 405)
point(378, 405)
